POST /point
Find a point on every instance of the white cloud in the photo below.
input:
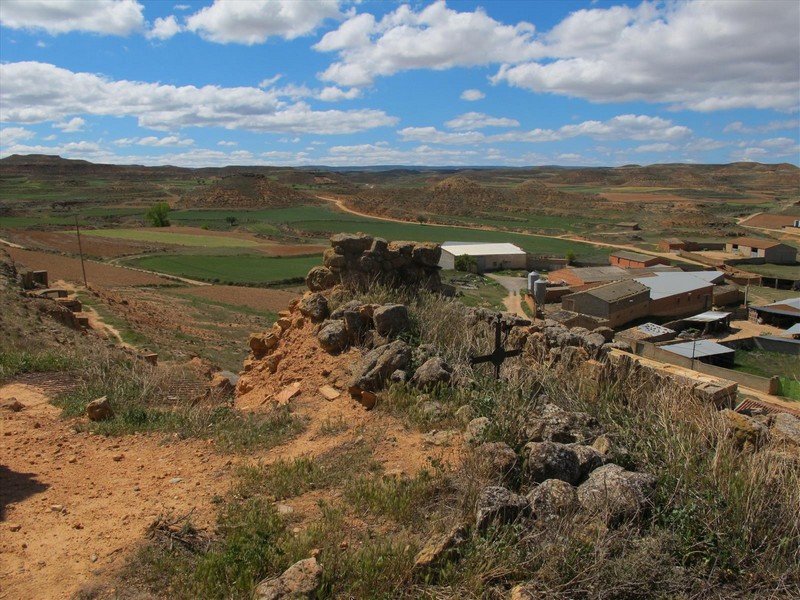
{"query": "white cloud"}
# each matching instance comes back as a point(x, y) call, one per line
point(696, 55)
point(327, 94)
point(622, 127)
point(12, 135)
point(164, 28)
point(107, 17)
point(227, 143)
point(335, 94)
point(704, 145)
point(472, 95)
point(476, 120)
point(781, 142)
point(254, 21)
point(182, 7)
point(662, 147)
point(752, 154)
point(151, 140)
point(434, 38)
point(793, 124)
point(34, 92)
point(74, 125)
point(381, 153)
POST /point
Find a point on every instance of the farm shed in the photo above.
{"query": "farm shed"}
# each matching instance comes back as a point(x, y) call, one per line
point(674, 245)
point(782, 313)
point(488, 257)
point(771, 251)
point(635, 260)
point(678, 294)
point(705, 351)
point(619, 302)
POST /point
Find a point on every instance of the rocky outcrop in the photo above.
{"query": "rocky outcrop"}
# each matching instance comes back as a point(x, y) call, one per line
point(558, 425)
point(497, 505)
point(391, 319)
point(432, 372)
point(333, 336)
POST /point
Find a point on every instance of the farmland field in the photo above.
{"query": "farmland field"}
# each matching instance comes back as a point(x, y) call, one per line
point(164, 236)
point(248, 269)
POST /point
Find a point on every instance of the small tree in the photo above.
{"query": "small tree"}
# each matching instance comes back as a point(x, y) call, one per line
point(158, 215)
point(231, 221)
point(466, 263)
point(570, 256)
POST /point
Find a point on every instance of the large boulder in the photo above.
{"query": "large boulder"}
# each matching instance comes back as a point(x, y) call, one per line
point(99, 409)
point(301, 580)
point(476, 431)
point(566, 427)
point(613, 495)
point(351, 243)
point(785, 429)
point(432, 372)
point(333, 336)
point(320, 279)
point(338, 313)
point(553, 499)
point(497, 458)
point(551, 460)
point(747, 433)
point(315, 307)
point(497, 505)
point(373, 371)
point(391, 319)
point(426, 254)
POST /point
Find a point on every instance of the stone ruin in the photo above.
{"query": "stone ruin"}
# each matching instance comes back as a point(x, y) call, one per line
point(358, 261)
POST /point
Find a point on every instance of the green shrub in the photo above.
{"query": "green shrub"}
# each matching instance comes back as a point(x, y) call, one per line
point(158, 215)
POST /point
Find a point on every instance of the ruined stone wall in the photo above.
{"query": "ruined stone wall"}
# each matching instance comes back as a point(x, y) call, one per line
point(359, 261)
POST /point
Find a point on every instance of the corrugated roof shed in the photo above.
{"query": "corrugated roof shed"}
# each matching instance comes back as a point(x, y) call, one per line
point(663, 285)
point(473, 249)
point(754, 242)
point(790, 307)
point(593, 274)
point(618, 290)
point(698, 349)
point(627, 255)
point(709, 317)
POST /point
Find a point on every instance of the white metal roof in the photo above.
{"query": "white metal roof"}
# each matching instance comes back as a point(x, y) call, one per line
point(793, 330)
point(477, 249)
point(653, 329)
point(698, 349)
point(663, 285)
point(708, 317)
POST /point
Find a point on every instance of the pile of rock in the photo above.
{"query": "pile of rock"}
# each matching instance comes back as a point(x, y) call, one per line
point(751, 432)
point(358, 261)
point(552, 343)
point(567, 468)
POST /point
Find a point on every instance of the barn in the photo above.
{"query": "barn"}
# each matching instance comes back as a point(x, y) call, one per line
point(488, 257)
point(770, 250)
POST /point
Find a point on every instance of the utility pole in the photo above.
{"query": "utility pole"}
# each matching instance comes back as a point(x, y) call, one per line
point(80, 250)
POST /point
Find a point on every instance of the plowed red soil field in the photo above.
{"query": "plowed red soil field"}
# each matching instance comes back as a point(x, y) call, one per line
point(257, 298)
point(69, 269)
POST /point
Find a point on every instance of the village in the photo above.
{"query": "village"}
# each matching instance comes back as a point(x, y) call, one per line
point(683, 310)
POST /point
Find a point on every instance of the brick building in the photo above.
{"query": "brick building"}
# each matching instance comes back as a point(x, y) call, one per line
point(619, 302)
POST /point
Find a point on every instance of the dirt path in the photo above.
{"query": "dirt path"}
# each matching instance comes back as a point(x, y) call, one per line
point(73, 505)
point(10, 244)
point(343, 207)
point(514, 285)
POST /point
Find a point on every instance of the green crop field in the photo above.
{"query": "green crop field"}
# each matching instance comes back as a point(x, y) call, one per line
point(245, 268)
point(167, 237)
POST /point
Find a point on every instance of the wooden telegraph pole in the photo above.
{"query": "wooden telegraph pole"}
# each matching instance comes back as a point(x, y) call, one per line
point(80, 250)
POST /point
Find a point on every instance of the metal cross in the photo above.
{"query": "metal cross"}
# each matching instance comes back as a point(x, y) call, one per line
point(500, 354)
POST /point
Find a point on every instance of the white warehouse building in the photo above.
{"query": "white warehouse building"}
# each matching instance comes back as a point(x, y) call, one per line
point(489, 257)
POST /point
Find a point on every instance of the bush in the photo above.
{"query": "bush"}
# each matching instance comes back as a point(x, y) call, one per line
point(158, 215)
point(466, 263)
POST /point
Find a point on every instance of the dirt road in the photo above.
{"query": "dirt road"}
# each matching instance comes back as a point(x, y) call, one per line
point(514, 285)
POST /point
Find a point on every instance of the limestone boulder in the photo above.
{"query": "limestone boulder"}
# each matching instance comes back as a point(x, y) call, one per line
point(426, 254)
point(374, 369)
point(747, 433)
point(613, 495)
point(315, 307)
point(320, 279)
point(476, 431)
point(553, 499)
point(432, 372)
point(497, 457)
point(301, 580)
point(440, 548)
point(497, 505)
point(99, 409)
point(566, 427)
point(551, 460)
point(333, 336)
point(391, 319)
point(785, 429)
point(351, 243)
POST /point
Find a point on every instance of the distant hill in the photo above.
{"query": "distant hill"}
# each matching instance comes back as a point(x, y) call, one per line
point(245, 190)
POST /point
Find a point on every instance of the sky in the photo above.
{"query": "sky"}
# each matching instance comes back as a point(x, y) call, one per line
point(357, 83)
